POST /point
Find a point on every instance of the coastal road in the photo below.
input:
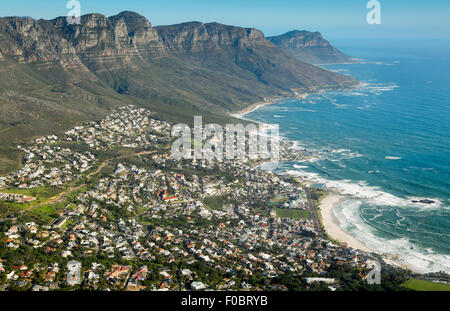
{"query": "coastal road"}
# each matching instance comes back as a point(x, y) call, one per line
point(312, 211)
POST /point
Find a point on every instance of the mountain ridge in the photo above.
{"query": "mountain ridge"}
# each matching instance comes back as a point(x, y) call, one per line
point(309, 47)
point(53, 74)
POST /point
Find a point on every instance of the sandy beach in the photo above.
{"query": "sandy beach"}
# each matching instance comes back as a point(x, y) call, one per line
point(257, 105)
point(240, 114)
point(331, 223)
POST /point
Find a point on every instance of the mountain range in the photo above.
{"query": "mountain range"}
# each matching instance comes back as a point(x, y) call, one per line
point(54, 75)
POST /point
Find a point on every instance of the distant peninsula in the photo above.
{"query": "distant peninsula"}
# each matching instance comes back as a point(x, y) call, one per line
point(310, 47)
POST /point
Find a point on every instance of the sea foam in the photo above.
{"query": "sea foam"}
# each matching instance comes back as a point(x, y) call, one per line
point(405, 252)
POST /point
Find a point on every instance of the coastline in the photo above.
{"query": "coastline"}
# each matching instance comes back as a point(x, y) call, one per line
point(329, 221)
point(268, 101)
point(332, 226)
point(239, 114)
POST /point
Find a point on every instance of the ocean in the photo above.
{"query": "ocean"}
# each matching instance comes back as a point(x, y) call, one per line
point(385, 146)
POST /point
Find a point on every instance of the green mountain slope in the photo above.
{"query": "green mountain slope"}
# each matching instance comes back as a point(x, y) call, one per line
point(53, 75)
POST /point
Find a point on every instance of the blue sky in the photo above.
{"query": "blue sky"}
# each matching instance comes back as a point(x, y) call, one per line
point(339, 19)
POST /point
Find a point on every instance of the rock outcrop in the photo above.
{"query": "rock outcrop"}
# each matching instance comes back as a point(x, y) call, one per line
point(199, 37)
point(309, 47)
point(111, 43)
point(98, 42)
point(33, 41)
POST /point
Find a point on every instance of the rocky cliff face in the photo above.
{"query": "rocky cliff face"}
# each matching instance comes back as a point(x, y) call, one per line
point(98, 42)
point(197, 37)
point(31, 41)
point(309, 47)
point(244, 49)
point(125, 40)
point(102, 43)
point(111, 43)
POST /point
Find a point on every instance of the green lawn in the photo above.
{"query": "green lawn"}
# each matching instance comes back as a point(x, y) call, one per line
point(280, 199)
point(421, 285)
point(8, 208)
point(44, 192)
point(41, 194)
point(45, 214)
point(292, 213)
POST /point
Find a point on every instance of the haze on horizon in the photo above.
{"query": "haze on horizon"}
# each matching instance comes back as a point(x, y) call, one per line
point(335, 19)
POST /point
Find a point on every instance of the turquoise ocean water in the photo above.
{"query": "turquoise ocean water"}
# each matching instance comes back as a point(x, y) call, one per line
point(385, 146)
